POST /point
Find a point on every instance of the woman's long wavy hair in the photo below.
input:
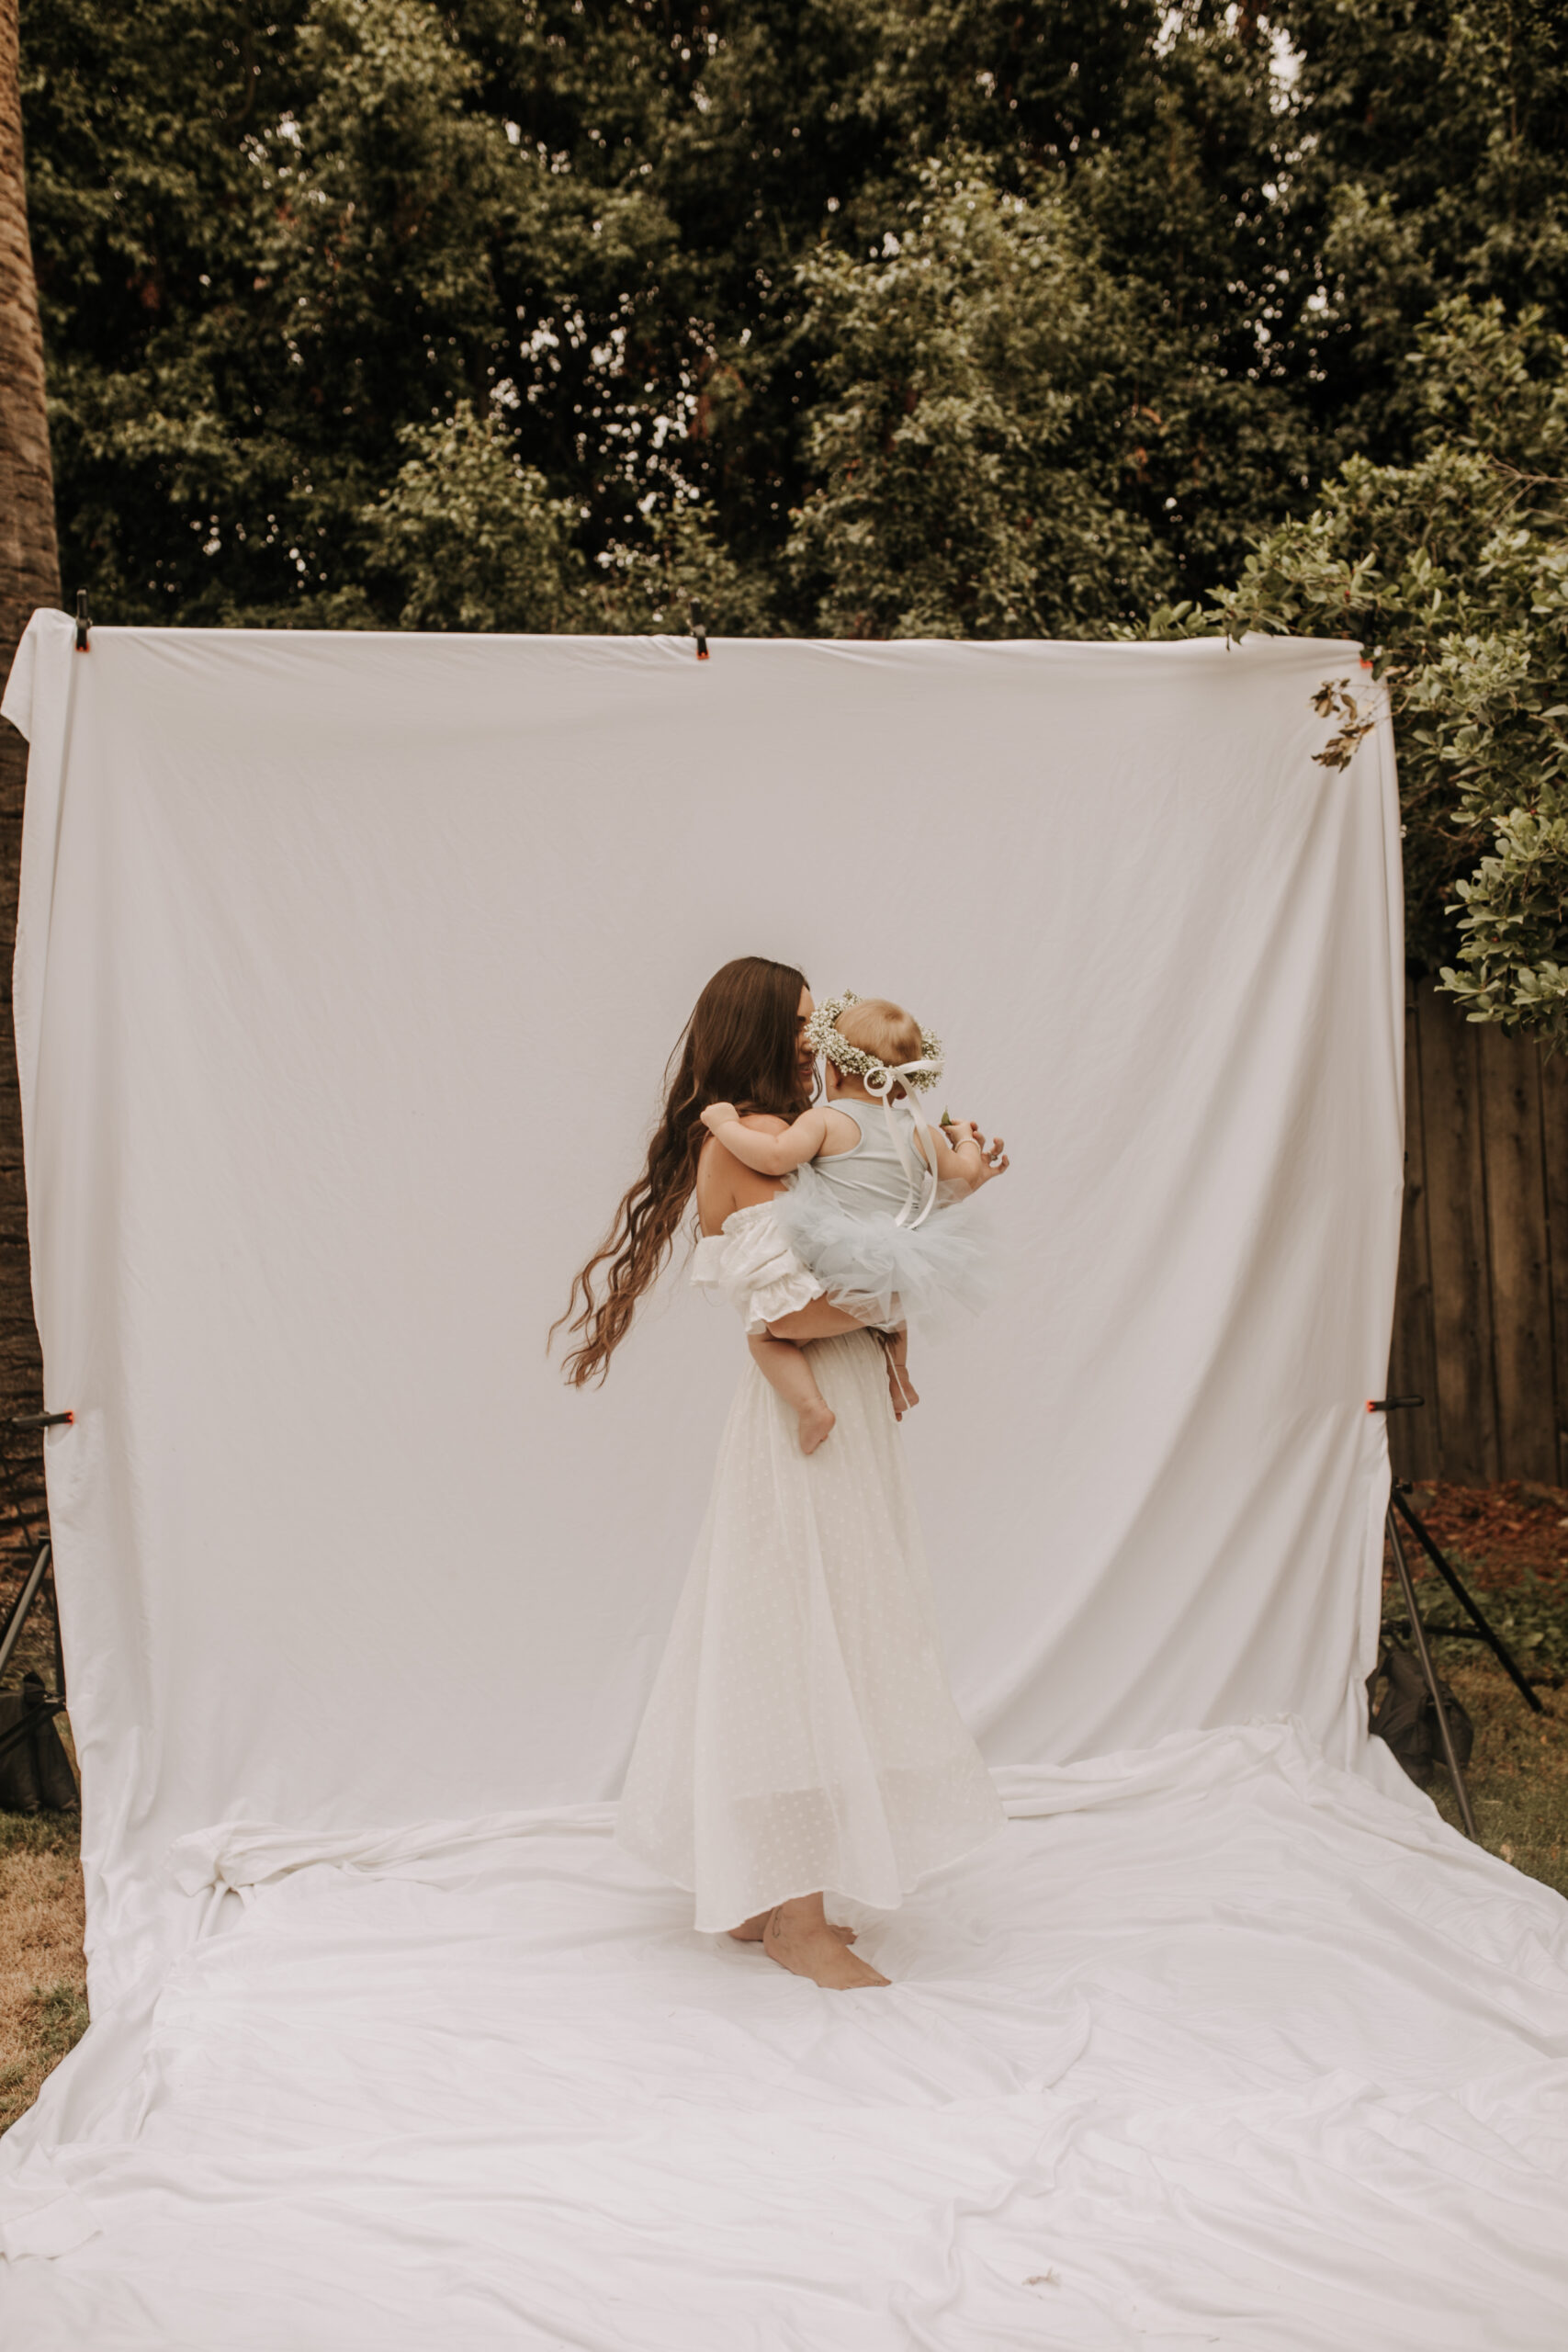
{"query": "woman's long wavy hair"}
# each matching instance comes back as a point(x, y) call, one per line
point(740, 1045)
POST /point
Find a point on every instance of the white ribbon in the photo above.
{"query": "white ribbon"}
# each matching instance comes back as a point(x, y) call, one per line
point(920, 1174)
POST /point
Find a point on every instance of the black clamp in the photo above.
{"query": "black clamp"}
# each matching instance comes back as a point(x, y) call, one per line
point(698, 631)
point(83, 623)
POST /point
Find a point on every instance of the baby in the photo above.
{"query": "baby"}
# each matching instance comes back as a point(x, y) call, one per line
point(865, 1173)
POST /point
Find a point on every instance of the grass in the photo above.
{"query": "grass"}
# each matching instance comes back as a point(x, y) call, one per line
point(43, 2000)
point(1518, 1772)
point(1510, 1544)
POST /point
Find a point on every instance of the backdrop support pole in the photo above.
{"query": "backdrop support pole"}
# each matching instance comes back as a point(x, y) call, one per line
point(44, 1560)
point(1494, 1642)
point(23, 1604)
point(1402, 1569)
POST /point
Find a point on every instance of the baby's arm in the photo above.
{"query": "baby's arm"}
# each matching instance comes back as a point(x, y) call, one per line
point(768, 1155)
point(959, 1155)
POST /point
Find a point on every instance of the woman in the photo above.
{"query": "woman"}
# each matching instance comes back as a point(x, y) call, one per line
point(800, 1735)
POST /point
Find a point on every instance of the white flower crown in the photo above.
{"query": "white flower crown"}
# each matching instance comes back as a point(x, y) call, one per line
point(823, 1036)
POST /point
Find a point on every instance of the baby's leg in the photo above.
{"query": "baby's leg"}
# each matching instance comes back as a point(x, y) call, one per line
point(784, 1368)
point(900, 1386)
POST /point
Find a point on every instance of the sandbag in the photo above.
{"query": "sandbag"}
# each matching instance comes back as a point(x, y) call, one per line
point(35, 1772)
point(1406, 1719)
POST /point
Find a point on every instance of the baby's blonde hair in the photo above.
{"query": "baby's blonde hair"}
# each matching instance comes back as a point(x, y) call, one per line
point(879, 1026)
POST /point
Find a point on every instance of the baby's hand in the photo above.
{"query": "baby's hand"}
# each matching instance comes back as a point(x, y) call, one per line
point(993, 1159)
point(718, 1114)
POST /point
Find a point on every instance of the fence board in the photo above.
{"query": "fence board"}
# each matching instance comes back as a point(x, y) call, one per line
point(1412, 1368)
point(1554, 1164)
point(1466, 1417)
point(1510, 1068)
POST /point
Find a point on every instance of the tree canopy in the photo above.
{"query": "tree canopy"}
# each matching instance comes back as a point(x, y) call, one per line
point(1452, 573)
point(856, 316)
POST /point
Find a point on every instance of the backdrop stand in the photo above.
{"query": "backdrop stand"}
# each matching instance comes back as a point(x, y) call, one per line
point(1399, 1507)
point(1478, 1629)
point(42, 1567)
point(1445, 1733)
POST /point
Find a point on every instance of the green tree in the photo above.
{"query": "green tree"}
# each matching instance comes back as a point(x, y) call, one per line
point(269, 245)
point(1452, 573)
point(634, 233)
point(1428, 158)
point(969, 450)
point(469, 537)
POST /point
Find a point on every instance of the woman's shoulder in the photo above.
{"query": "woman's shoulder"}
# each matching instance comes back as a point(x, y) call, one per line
point(725, 1183)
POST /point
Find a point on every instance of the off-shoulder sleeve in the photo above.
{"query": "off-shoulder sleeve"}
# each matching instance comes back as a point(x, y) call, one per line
point(751, 1265)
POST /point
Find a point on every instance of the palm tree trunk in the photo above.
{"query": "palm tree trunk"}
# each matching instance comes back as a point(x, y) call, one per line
point(29, 575)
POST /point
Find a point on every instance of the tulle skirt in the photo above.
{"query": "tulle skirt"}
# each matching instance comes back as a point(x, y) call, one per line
point(801, 1734)
point(882, 1271)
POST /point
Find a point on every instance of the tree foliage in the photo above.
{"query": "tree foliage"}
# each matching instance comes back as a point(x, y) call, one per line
point(470, 535)
point(270, 244)
point(873, 316)
point(966, 453)
point(1452, 573)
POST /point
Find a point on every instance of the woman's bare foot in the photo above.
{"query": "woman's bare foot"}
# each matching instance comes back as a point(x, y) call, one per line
point(799, 1938)
point(815, 1423)
point(750, 1931)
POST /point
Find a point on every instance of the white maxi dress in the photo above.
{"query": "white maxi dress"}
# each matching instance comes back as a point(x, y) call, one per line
point(801, 1733)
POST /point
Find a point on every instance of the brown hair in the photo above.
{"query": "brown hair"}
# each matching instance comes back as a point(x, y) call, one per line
point(740, 1045)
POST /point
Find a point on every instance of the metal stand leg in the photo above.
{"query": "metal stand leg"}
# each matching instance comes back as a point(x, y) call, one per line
point(1494, 1642)
point(24, 1601)
point(14, 1498)
point(1402, 1569)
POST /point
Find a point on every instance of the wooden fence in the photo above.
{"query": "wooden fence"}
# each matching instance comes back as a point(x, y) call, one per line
point(1480, 1324)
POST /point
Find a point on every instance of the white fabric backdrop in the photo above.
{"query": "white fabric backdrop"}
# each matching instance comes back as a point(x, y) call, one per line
point(346, 972)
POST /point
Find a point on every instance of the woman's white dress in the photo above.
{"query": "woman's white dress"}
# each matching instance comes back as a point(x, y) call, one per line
point(801, 1734)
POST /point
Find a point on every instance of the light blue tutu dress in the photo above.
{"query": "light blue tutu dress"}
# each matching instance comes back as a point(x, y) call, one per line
point(886, 1239)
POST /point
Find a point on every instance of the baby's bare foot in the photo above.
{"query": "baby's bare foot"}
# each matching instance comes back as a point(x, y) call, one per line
point(750, 1931)
point(815, 1423)
point(818, 1953)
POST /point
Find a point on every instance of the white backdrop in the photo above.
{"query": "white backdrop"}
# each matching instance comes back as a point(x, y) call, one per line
point(346, 970)
point(347, 967)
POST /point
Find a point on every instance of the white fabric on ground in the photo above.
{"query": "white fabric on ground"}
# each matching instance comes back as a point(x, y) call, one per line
point(1210, 2045)
point(801, 1735)
point(345, 970)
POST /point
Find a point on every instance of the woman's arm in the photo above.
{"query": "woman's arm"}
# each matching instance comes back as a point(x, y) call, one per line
point(767, 1155)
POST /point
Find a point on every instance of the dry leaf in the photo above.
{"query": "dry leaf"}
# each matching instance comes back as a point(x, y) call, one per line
point(1334, 700)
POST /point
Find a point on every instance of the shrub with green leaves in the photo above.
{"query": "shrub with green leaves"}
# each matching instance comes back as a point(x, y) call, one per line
point(968, 456)
point(470, 535)
point(1452, 573)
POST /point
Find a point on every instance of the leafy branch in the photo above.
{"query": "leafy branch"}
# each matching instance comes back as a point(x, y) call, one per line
point(1452, 573)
